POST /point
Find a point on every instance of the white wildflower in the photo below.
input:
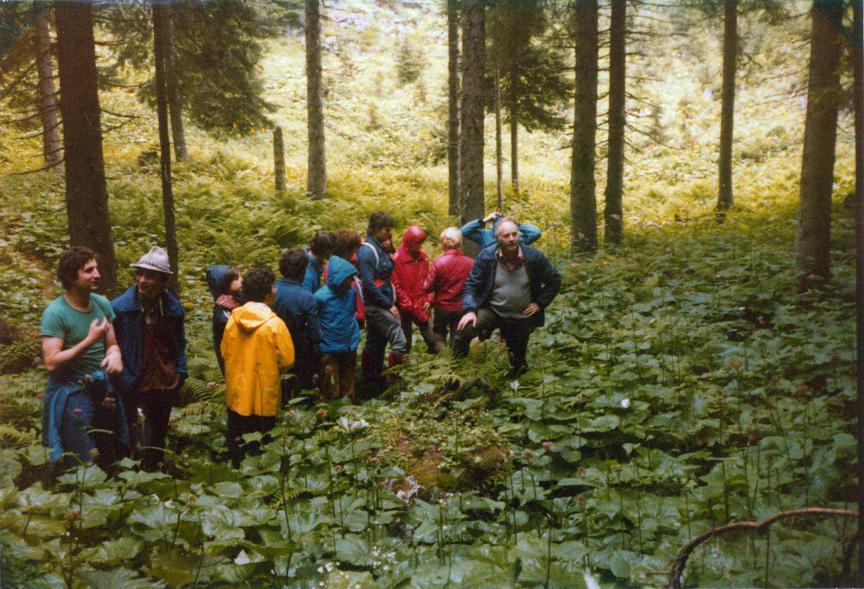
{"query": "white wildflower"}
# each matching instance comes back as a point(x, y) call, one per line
point(625, 403)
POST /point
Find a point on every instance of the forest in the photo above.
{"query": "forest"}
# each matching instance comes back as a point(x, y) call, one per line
point(689, 414)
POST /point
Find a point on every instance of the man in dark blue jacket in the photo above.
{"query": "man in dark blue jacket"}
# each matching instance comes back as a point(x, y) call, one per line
point(383, 324)
point(297, 307)
point(508, 288)
point(149, 327)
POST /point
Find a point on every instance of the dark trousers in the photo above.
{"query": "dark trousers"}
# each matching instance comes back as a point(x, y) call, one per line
point(444, 327)
point(515, 333)
point(82, 414)
point(242, 424)
point(149, 438)
point(425, 332)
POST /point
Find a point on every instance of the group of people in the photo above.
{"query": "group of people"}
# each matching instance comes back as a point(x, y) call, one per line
point(110, 361)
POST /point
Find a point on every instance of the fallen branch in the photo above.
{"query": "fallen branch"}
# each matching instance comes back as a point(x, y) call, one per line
point(680, 562)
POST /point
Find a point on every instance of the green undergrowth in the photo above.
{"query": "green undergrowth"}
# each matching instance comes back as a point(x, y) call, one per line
point(679, 384)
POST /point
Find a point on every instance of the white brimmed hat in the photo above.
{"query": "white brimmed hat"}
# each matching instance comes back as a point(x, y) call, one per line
point(156, 259)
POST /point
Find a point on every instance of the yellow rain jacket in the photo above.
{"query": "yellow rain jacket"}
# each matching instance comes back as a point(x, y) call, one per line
point(256, 345)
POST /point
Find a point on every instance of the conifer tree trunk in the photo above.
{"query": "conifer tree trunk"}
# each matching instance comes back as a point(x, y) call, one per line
point(858, 99)
point(473, 60)
point(316, 180)
point(514, 127)
point(86, 191)
point(453, 208)
point(160, 43)
point(583, 201)
point(613, 213)
point(279, 159)
point(813, 236)
point(727, 115)
point(47, 98)
point(176, 102)
point(499, 165)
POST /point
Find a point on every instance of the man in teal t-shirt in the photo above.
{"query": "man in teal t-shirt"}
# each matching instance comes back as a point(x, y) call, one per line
point(79, 347)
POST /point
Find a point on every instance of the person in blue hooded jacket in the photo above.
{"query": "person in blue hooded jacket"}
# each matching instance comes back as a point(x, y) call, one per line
point(226, 284)
point(149, 326)
point(476, 231)
point(340, 333)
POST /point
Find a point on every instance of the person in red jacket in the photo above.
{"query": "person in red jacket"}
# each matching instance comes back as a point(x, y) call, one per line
point(444, 284)
point(410, 267)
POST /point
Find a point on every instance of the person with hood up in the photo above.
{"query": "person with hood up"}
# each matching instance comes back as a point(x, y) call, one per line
point(256, 347)
point(346, 245)
point(444, 285)
point(475, 231)
point(226, 285)
point(410, 268)
point(340, 333)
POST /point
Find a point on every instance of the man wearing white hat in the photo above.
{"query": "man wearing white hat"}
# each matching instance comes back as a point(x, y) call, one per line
point(150, 331)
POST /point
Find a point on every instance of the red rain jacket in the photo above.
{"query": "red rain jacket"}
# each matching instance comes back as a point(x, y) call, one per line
point(446, 280)
point(409, 273)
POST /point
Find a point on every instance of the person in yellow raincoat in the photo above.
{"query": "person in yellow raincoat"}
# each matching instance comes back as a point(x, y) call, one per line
point(256, 347)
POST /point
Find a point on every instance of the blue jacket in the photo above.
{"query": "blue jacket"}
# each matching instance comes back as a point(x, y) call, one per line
point(129, 327)
point(57, 392)
point(297, 307)
point(215, 274)
point(544, 280)
point(312, 279)
point(339, 329)
point(475, 231)
point(375, 268)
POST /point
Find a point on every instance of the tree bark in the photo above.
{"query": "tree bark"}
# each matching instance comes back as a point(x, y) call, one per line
point(613, 213)
point(176, 101)
point(453, 208)
point(316, 181)
point(161, 20)
point(279, 159)
point(499, 165)
point(47, 97)
point(474, 64)
point(813, 235)
point(86, 191)
point(858, 99)
point(727, 115)
point(583, 201)
point(514, 127)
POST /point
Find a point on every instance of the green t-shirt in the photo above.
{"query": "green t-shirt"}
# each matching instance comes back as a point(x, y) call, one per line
point(61, 320)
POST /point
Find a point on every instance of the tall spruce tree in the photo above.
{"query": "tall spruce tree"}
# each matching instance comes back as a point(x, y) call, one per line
point(824, 96)
point(531, 73)
point(453, 182)
point(86, 191)
point(471, 144)
point(613, 214)
point(583, 200)
point(316, 178)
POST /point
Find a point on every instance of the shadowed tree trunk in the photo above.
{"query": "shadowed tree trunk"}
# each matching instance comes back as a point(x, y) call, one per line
point(514, 128)
point(727, 116)
point(176, 102)
point(278, 158)
point(47, 98)
point(86, 192)
point(453, 208)
point(161, 23)
point(613, 214)
point(813, 236)
point(316, 180)
point(473, 61)
point(583, 201)
point(858, 99)
point(499, 165)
